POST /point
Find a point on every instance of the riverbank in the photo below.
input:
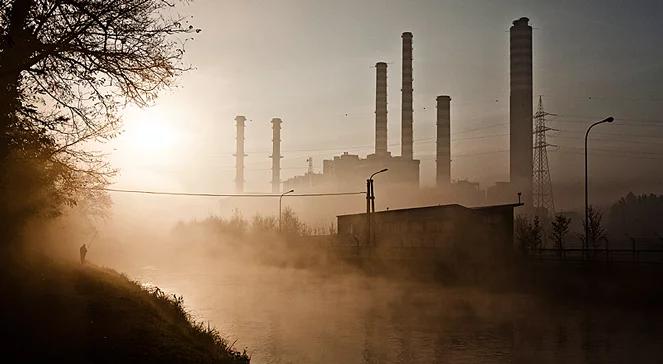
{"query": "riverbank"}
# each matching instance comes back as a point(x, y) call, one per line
point(64, 312)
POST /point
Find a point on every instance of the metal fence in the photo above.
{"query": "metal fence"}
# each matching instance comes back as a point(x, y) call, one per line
point(633, 251)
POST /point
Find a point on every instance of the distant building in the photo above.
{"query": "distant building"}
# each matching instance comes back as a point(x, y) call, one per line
point(435, 226)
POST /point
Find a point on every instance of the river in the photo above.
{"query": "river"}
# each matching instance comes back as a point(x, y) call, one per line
point(297, 316)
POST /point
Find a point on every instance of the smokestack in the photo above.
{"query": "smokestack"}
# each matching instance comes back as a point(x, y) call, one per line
point(239, 155)
point(443, 150)
point(520, 111)
point(406, 98)
point(276, 155)
point(381, 110)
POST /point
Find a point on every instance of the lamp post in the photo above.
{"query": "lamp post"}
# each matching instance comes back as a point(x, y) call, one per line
point(586, 242)
point(280, 199)
point(370, 203)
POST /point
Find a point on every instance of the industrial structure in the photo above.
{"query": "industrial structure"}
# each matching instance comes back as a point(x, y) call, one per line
point(443, 142)
point(276, 155)
point(543, 202)
point(239, 154)
point(346, 172)
point(520, 109)
point(381, 110)
point(407, 109)
point(452, 235)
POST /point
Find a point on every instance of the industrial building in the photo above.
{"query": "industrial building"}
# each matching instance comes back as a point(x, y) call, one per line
point(451, 230)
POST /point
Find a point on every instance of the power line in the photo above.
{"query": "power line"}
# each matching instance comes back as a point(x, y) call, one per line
point(168, 193)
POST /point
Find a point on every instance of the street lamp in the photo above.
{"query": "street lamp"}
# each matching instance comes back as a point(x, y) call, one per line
point(280, 199)
point(370, 202)
point(586, 242)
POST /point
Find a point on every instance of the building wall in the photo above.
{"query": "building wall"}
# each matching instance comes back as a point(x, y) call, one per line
point(471, 234)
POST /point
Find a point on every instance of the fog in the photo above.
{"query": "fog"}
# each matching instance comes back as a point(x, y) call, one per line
point(290, 298)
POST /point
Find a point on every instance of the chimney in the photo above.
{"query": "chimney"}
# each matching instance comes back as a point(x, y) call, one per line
point(520, 109)
point(381, 110)
point(406, 98)
point(276, 155)
point(443, 148)
point(239, 155)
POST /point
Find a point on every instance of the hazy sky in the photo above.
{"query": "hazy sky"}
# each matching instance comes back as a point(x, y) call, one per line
point(311, 63)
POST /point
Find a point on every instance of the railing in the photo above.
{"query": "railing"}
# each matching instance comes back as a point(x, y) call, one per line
point(623, 255)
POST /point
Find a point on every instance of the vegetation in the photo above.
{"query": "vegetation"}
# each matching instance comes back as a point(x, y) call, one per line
point(84, 314)
point(596, 234)
point(560, 229)
point(529, 236)
point(66, 69)
point(292, 226)
point(636, 216)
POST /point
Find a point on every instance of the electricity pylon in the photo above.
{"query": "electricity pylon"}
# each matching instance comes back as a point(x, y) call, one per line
point(543, 201)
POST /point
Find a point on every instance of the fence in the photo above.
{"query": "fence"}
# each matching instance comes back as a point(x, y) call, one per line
point(634, 251)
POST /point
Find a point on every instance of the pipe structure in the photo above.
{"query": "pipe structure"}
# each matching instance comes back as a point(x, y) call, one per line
point(521, 109)
point(406, 98)
point(239, 154)
point(381, 110)
point(276, 155)
point(443, 142)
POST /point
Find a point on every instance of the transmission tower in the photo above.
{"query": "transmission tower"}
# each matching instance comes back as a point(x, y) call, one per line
point(543, 201)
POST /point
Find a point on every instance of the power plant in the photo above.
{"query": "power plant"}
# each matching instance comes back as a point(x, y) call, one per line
point(348, 171)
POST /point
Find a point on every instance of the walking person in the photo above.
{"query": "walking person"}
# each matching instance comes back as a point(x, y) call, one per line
point(83, 252)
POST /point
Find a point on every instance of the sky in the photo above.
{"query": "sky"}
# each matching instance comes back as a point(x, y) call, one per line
point(311, 63)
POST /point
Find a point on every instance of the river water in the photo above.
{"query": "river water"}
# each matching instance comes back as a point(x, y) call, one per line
point(298, 316)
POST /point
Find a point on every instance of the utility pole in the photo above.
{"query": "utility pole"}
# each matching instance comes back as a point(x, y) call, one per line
point(370, 207)
point(543, 201)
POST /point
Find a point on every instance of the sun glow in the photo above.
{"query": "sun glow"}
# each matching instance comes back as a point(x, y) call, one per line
point(148, 132)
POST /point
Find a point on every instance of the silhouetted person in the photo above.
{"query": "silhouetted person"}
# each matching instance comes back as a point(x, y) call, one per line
point(83, 251)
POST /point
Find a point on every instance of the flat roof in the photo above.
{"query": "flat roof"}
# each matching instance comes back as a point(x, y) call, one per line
point(512, 205)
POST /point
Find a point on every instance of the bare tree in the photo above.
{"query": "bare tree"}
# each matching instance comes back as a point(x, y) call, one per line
point(560, 229)
point(528, 234)
point(596, 231)
point(67, 67)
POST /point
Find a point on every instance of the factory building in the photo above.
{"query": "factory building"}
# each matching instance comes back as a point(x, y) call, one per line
point(483, 235)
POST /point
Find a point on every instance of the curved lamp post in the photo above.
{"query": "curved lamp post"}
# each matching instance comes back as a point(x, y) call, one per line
point(586, 242)
point(280, 199)
point(370, 203)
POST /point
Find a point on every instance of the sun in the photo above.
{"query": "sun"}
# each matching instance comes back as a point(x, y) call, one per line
point(149, 132)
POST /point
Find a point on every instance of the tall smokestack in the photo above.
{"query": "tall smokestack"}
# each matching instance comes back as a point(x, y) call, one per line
point(239, 155)
point(276, 155)
point(521, 111)
point(381, 110)
point(406, 95)
point(443, 148)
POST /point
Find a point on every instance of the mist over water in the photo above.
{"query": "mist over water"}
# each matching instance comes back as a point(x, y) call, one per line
point(283, 314)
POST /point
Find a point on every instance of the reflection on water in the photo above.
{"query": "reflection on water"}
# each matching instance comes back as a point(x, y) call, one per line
point(295, 316)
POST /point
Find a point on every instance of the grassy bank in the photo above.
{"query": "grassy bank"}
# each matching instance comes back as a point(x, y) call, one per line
point(57, 312)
